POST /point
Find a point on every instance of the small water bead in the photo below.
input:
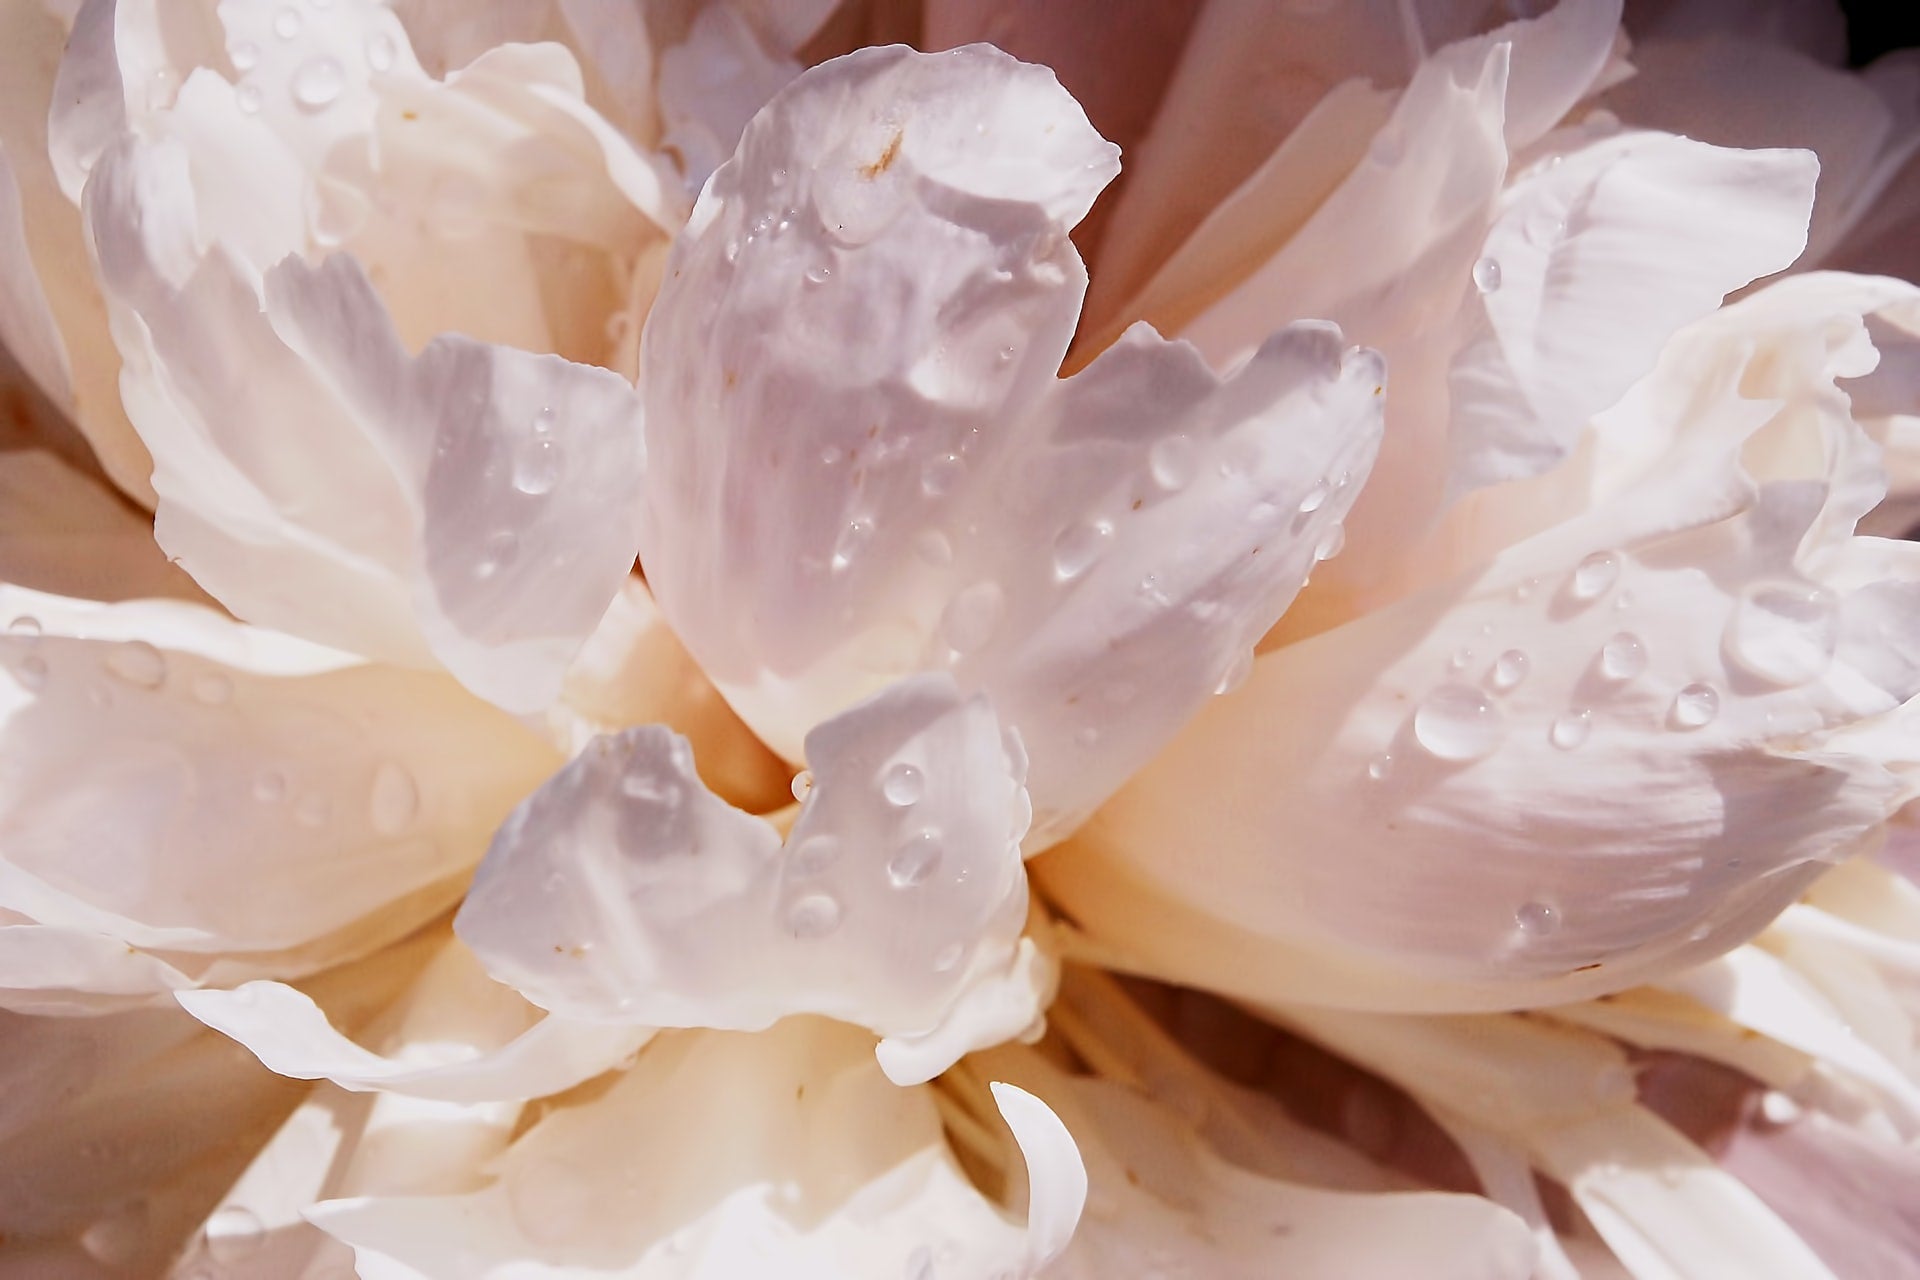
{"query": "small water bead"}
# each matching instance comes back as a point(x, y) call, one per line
point(947, 957)
point(1332, 543)
point(1078, 546)
point(814, 916)
point(245, 55)
point(1172, 461)
point(501, 549)
point(1380, 768)
point(915, 861)
point(212, 688)
point(1695, 706)
point(25, 627)
point(380, 51)
point(940, 474)
point(246, 96)
point(313, 810)
point(1784, 633)
point(1315, 498)
point(234, 1233)
point(31, 673)
point(972, 616)
point(1525, 589)
point(802, 785)
point(1486, 275)
point(1087, 736)
point(1570, 729)
point(1594, 576)
point(1623, 657)
point(1509, 669)
point(902, 786)
point(318, 82)
point(813, 855)
point(1461, 657)
point(139, 664)
point(1536, 918)
point(1237, 671)
point(287, 23)
point(1458, 723)
point(819, 273)
point(536, 466)
point(270, 787)
point(853, 537)
point(395, 799)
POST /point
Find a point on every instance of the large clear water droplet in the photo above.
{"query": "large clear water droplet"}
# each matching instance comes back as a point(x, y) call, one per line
point(814, 916)
point(139, 664)
point(1172, 461)
point(802, 785)
point(1623, 657)
point(536, 465)
point(1537, 918)
point(1509, 669)
point(1078, 546)
point(1571, 729)
point(395, 799)
point(1380, 768)
point(25, 627)
point(1695, 706)
point(1458, 722)
point(1594, 576)
point(902, 786)
point(1315, 498)
point(1486, 275)
point(915, 860)
point(1332, 543)
point(1784, 633)
point(317, 83)
point(972, 616)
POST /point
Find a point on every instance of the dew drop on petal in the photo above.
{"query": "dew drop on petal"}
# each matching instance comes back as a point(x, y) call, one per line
point(1315, 498)
point(287, 22)
point(853, 537)
point(819, 273)
point(270, 786)
point(1078, 546)
point(318, 82)
point(813, 855)
point(395, 799)
point(25, 627)
point(1524, 589)
point(1571, 728)
point(1461, 657)
point(1172, 461)
point(536, 466)
point(1486, 275)
point(940, 474)
point(802, 785)
point(1509, 669)
point(1332, 543)
point(1594, 576)
point(212, 688)
point(902, 786)
point(234, 1233)
point(246, 96)
point(245, 55)
point(1237, 671)
point(1695, 706)
point(915, 860)
point(1784, 633)
point(380, 51)
point(972, 616)
point(814, 916)
point(1536, 918)
point(139, 664)
point(1457, 722)
point(1380, 768)
point(1623, 657)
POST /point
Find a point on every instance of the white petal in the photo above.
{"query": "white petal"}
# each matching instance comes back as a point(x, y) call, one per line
point(185, 783)
point(54, 971)
point(712, 83)
point(1096, 555)
point(486, 1044)
point(1056, 1176)
point(828, 1173)
point(625, 891)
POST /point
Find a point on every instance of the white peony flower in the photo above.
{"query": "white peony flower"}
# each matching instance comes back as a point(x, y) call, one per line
point(421, 327)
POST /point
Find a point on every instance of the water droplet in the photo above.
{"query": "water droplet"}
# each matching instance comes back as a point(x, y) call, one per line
point(1172, 460)
point(395, 799)
point(1695, 706)
point(270, 787)
point(543, 420)
point(313, 810)
point(139, 664)
point(947, 957)
point(1509, 669)
point(814, 916)
point(1783, 632)
point(1486, 275)
point(1777, 1108)
point(1380, 768)
point(819, 273)
point(846, 548)
point(31, 672)
point(941, 474)
point(1537, 918)
point(1457, 722)
point(1332, 543)
point(1315, 498)
point(1623, 601)
point(1595, 575)
point(932, 546)
point(25, 627)
point(802, 785)
point(915, 860)
point(536, 466)
point(318, 82)
point(1078, 546)
point(234, 1233)
point(212, 687)
point(813, 855)
point(1461, 657)
point(287, 23)
point(1571, 728)
point(245, 55)
point(1238, 669)
point(246, 96)
point(116, 1238)
point(1623, 657)
point(902, 786)
point(380, 51)
point(500, 551)
point(1524, 589)
point(972, 616)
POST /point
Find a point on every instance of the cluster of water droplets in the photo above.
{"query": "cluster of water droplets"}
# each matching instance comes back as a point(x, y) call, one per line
point(318, 79)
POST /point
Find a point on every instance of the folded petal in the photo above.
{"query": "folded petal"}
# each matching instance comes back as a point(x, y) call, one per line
point(1096, 555)
point(189, 785)
point(828, 1172)
point(624, 891)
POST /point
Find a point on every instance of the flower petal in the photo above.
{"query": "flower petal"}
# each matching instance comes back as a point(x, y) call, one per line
point(1096, 555)
point(1056, 1175)
point(55, 972)
point(190, 785)
point(625, 891)
point(631, 1185)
